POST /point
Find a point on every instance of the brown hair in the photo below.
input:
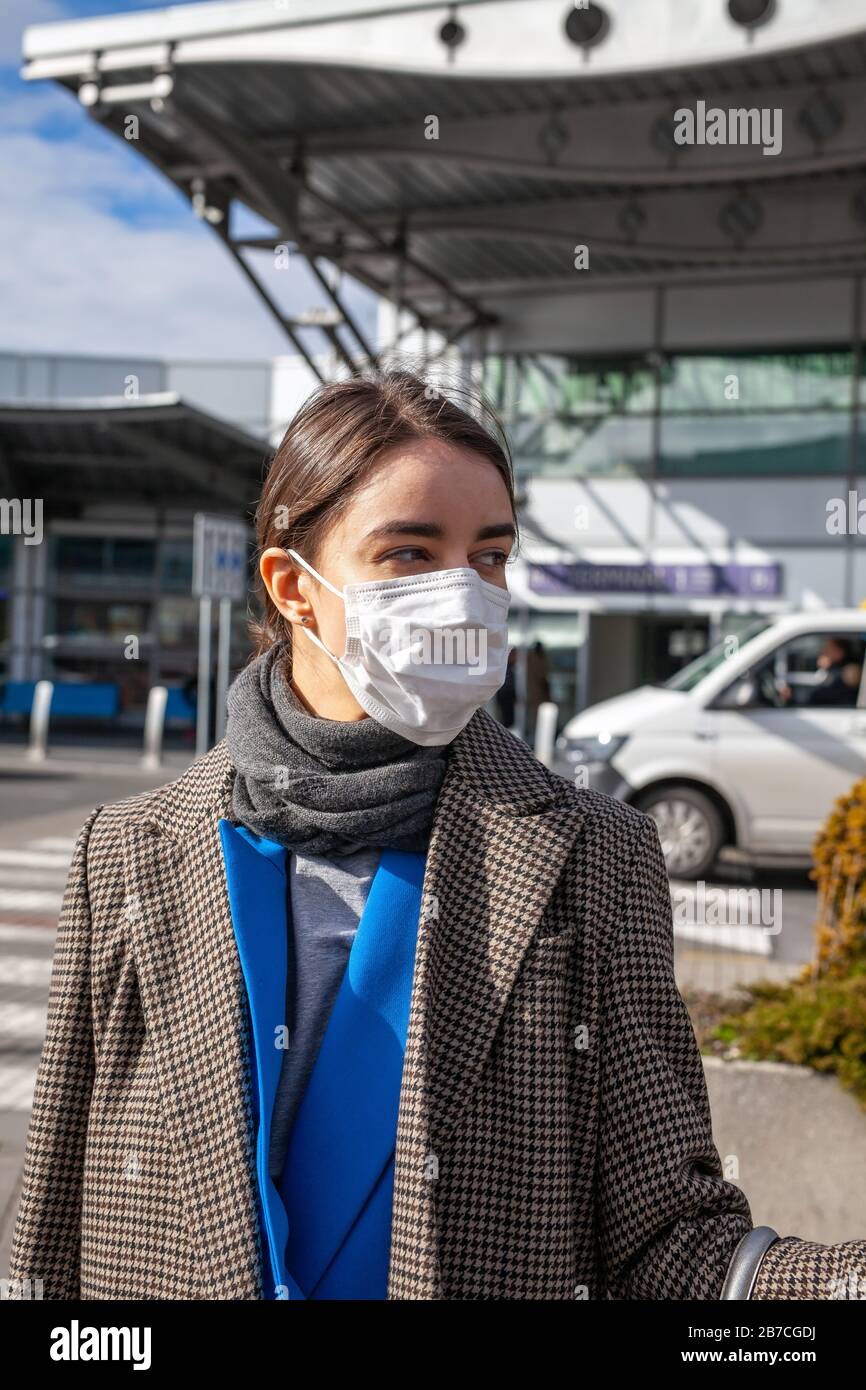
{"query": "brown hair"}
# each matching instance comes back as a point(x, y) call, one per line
point(332, 445)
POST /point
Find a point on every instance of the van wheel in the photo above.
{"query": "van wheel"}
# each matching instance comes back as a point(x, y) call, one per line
point(690, 829)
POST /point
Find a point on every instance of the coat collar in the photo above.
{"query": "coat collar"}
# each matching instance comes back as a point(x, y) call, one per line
point(502, 830)
point(489, 762)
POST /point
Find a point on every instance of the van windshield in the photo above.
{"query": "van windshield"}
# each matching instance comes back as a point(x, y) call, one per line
point(688, 677)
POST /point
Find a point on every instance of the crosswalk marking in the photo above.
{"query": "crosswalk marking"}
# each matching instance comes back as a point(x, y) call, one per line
point(25, 970)
point(56, 878)
point(32, 882)
point(30, 900)
point(35, 859)
point(17, 1081)
point(20, 931)
point(22, 1025)
point(753, 941)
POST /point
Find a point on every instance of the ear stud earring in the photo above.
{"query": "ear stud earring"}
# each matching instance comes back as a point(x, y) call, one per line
point(306, 621)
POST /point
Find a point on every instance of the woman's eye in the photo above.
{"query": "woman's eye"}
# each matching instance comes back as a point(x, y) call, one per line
point(408, 553)
point(415, 555)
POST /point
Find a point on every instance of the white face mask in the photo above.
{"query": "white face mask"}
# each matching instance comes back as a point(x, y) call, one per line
point(422, 653)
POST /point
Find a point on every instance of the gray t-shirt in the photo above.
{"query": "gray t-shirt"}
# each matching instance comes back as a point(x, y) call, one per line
point(326, 899)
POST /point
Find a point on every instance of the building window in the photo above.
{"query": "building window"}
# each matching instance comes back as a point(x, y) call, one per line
point(572, 418)
point(755, 444)
point(740, 383)
point(98, 621)
point(100, 562)
point(176, 566)
point(690, 414)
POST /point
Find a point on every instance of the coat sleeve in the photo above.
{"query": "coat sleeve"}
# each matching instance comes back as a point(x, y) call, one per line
point(668, 1221)
point(46, 1239)
point(805, 1269)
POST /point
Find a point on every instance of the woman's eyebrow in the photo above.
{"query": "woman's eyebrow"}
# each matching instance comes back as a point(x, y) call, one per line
point(504, 528)
point(434, 531)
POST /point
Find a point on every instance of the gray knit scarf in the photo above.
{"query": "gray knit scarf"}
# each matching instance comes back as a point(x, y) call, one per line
point(324, 786)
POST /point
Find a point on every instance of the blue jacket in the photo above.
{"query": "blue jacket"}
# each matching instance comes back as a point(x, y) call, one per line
point(326, 1226)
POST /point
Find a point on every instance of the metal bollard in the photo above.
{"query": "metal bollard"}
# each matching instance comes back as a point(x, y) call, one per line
point(154, 726)
point(545, 731)
point(40, 713)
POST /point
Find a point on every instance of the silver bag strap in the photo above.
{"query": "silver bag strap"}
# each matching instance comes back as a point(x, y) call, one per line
point(745, 1262)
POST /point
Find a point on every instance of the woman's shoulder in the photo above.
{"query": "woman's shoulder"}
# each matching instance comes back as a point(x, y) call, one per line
point(601, 804)
point(613, 823)
point(504, 766)
point(204, 788)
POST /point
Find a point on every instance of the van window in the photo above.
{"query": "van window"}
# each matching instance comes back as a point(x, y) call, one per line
point(687, 678)
point(814, 670)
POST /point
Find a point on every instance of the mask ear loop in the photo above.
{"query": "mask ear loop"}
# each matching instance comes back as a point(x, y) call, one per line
point(322, 580)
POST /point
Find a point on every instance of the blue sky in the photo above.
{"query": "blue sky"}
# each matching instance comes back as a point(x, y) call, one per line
point(100, 254)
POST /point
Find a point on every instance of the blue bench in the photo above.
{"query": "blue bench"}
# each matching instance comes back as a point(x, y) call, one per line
point(89, 700)
point(179, 707)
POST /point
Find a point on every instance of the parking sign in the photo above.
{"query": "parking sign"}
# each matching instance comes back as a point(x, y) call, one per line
point(219, 566)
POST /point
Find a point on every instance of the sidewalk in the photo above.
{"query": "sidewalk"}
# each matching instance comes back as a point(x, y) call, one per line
point(102, 760)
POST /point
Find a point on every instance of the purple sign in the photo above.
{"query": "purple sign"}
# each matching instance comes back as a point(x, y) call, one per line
point(689, 581)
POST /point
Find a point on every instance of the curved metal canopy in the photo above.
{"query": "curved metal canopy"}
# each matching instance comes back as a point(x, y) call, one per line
point(447, 177)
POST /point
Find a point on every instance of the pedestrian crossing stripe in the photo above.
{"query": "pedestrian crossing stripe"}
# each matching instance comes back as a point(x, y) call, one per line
point(30, 900)
point(17, 1082)
point(35, 859)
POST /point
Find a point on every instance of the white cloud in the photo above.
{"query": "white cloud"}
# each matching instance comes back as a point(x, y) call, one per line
point(77, 275)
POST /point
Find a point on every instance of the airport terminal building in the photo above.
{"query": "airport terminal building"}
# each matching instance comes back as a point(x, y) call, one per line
point(642, 229)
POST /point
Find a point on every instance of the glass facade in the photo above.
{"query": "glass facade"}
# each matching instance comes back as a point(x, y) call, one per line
point(693, 415)
point(573, 418)
point(655, 416)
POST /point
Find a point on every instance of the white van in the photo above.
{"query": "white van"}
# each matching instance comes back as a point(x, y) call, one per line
point(748, 746)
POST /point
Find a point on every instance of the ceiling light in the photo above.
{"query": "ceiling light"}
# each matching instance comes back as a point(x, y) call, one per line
point(587, 25)
point(452, 32)
point(750, 13)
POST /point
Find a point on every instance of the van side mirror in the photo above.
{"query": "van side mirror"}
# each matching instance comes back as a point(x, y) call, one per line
point(740, 695)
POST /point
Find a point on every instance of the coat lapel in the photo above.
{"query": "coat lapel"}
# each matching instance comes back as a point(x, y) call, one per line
point(502, 830)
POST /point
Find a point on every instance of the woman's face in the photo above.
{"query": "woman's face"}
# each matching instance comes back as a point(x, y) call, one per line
point(426, 506)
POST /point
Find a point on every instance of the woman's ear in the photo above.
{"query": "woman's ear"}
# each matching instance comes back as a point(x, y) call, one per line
point(285, 583)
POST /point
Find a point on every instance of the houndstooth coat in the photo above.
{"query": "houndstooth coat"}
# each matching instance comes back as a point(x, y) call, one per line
point(554, 1137)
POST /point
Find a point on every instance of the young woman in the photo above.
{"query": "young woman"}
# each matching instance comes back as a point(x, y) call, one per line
point(368, 1004)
